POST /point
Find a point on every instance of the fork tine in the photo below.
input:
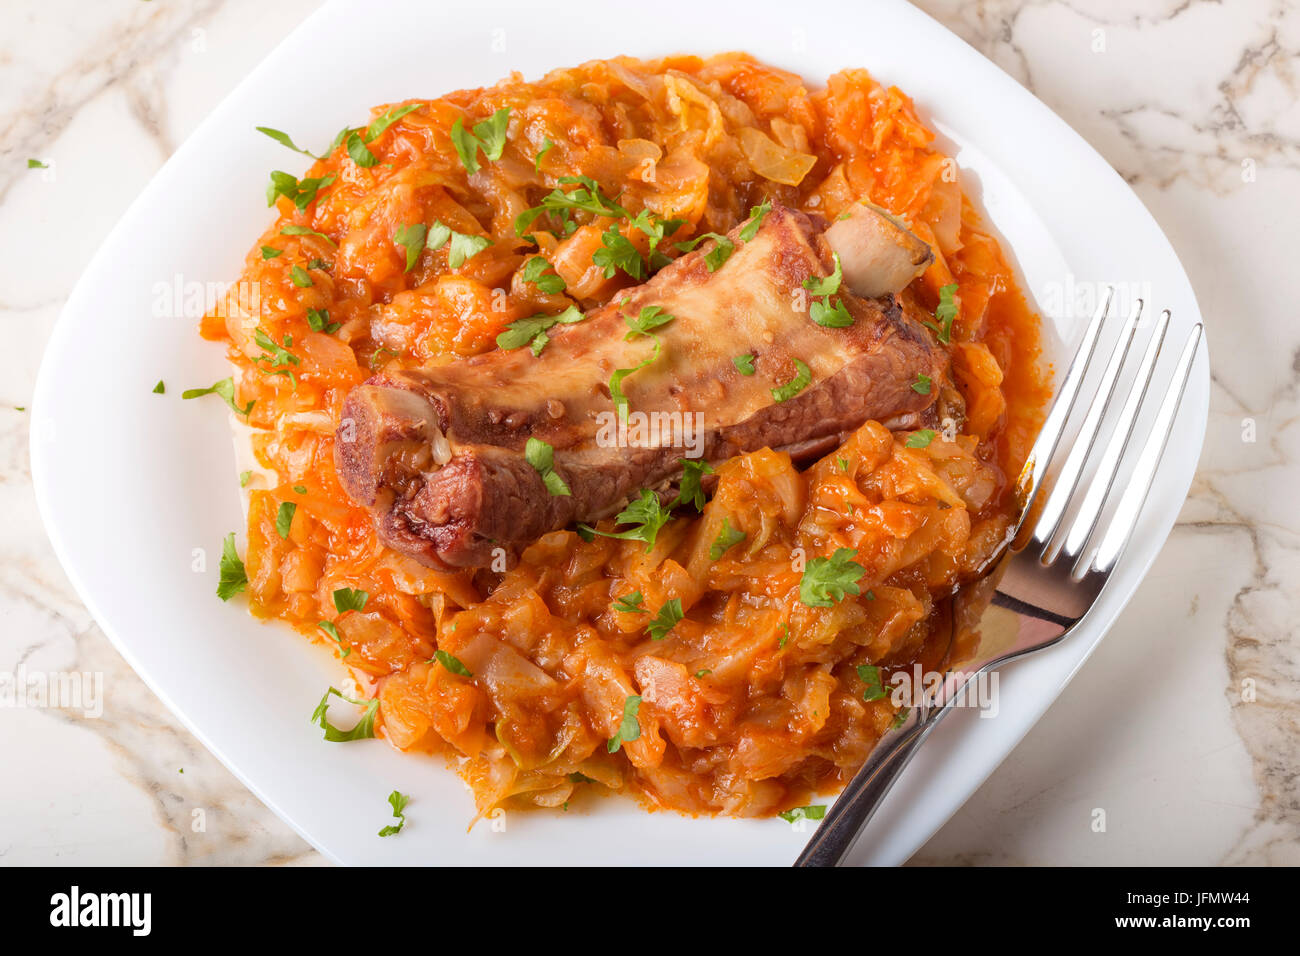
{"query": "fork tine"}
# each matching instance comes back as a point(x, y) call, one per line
point(1125, 519)
point(1068, 478)
point(1108, 466)
point(1040, 455)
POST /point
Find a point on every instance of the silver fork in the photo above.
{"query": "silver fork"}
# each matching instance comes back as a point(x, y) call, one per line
point(1050, 576)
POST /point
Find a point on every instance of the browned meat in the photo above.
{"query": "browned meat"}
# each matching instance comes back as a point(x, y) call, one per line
point(438, 454)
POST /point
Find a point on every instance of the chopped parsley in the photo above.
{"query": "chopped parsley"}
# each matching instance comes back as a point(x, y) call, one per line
point(37, 164)
point(160, 388)
point(945, 313)
point(346, 599)
point(542, 457)
point(284, 140)
point(225, 388)
point(284, 518)
point(398, 801)
point(364, 728)
point(827, 580)
point(233, 577)
point(631, 604)
point(815, 812)
point(824, 311)
point(628, 729)
point(302, 193)
point(616, 380)
point(744, 364)
point(318, 320)
point(715, 257)
point(870, 675)
point(920, 438)
point(650, 317)
point(532, 331)
point(646, 514)
point(488, 136)
point(618, 252)
point(333, 632)
point(702, 673)
point(243, 478)
point(270, 252)
point(535, 271)
point(801, 380)
point(381, 123)
point(412, 239)
point(300, 277)
point(922, 384)
point(294, 230)
point(756, 216)
point(452, 663)
point(728, 537)
point(692, 491)
point(547, 146)
point(900, 718)
point(462, 246)
point(665, 620)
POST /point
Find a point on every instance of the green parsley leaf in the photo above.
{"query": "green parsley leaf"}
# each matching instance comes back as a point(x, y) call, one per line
point(37, 164)
point(716, 257)
point(629, 729)
point(744, 364)
point(359, 151)
point(398, 801)
point(535, 271)
point(547, 146)
point(284, 518)
point(284, 140)
point(412, 239)
point(452, 663)
point(831, 315)
point(491, 133)
point(270, 252)
point(225, 388)
point(364, 728)
point(381, 123)
point(521, 332)
point(648, 516)
point(665, 620)
point(616, 381)
point(829, 285)
point(756, 215)
point(631, 604)
point(347, 599)
point(318, 320)
point(728, 537)
point(650, 317)
point(295, 230)
point(333, 632)
point(233, 578)
point(827, 580)
point(945, 313)
point(541, 456)
point(900, 718)
point(576, 777)
point(300, 277)
point(618, 252)
point(464, 247)
point(691, 490)
point(466, 145)
point(301, 193)
point(870, 675)
point(702, 673)
point(243, 478)
point(802, 377)
point(920, 438)
point(160, 388)
point(922, 384)
point(815, 812)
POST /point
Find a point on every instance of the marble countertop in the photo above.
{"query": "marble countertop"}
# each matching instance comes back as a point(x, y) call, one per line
point(1184, 725)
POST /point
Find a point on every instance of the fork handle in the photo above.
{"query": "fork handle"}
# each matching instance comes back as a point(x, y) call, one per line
point(854, 807)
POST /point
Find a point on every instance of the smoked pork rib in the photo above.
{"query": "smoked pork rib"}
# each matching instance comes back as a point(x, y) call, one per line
point(438, 454)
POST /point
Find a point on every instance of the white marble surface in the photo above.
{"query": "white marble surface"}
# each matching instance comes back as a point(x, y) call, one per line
point(1195, 103)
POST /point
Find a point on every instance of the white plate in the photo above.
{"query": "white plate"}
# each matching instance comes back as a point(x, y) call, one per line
point(130, 484)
